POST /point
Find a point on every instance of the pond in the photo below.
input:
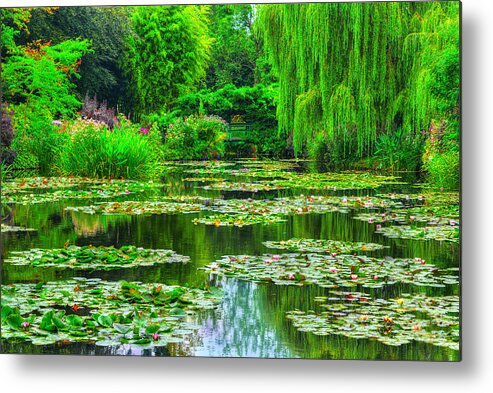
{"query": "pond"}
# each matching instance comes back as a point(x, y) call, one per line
point(208, 211)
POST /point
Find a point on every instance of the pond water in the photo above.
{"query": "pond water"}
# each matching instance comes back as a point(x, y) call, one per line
point(251, 319)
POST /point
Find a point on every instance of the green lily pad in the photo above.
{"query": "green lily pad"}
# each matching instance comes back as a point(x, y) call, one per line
point(89, 257)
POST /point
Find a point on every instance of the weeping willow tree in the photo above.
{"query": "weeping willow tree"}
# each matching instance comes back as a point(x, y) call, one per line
point(351, 72)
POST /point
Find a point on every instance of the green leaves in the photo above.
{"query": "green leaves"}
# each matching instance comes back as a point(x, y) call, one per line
point(118, 312)
point(89, 257)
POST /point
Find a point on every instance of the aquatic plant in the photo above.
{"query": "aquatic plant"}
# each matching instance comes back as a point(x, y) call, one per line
point(398, 321)
point(101, 312)
point(90, 257)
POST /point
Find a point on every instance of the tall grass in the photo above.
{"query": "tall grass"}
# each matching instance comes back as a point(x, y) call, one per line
point(101, 153)
point(443, 170)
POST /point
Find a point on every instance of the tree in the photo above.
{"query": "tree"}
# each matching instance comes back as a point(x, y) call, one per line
point(167, 54)
point(106, 28)
point(234, 51)
point(350, 72)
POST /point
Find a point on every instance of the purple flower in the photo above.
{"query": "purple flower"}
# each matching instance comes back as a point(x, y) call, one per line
point(155, 336)
point(144, 131)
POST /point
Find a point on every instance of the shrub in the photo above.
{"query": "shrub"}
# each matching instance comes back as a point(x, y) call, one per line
point(36, 140)
point(7, 155)
point(196, 137)
point(398, 151)
point(444, 170)
point(123, 152)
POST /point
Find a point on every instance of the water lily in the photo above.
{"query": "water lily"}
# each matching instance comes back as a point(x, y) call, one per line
point(214, 266)
point(75, 307)
point(333, 254)
point(375, 277)
point(412, 218)
point(25, 325)
point(371, 221)
point(378, 227)
point(416, 327)
point(363, 317)
point(452, 222)
point(155, 336)
point(291, 276)
point(344, 200)
point(441, 188)
point(388, 320)
point(354, 276)
point(275, 257)
point(333, 269)
point(400, 301)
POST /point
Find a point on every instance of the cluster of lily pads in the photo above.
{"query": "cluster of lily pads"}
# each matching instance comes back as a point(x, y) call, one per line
point(440, 233)
point(327, 246)
point(13, 228)
point(101, 312)
point(333, 271)
point(90, 257)
point(138, 208)
point(70, 188)
point(433, 320)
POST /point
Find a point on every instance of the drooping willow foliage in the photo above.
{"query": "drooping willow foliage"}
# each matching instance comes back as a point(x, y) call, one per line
point(350, 72)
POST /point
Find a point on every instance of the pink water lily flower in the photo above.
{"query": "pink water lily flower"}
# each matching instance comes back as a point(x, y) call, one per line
point(354, 276)
point(214, 266)
point(155, 336)
point(25, 325)
point(378, 226)
point(291, 276)
point(275, 257)
point(333, 269)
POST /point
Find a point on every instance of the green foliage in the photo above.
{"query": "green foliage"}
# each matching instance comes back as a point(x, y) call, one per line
point(195, 137)
point(106, 28)
point(167, 54)
point(374, 69)
point(38, 75)
point(121, 153)
point(444, 170)
point(37, 141)
point(396, 151)
point(234, 50)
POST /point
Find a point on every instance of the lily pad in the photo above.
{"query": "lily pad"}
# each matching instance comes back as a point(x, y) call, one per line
point(329, 246)
point(399, 321)
point(108, 313)
point(89, 257)
point(332, 271)
point(441, 233)
point(138, 208)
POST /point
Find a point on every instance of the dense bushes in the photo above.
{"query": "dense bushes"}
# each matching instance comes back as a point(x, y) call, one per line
point(441, 159)
point(196, 137)
point(7, 155)
point(124, 152)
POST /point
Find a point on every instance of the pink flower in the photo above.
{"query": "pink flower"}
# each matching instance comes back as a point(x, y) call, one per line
point(155, 336)
point(144, 131)
point(441, 188)
point(378, 226)
point(291, 276)
point(333, 269)
point(344, 200)
point(452, 222)
point(275, 257)
point(416, 327)
point(24, 325)
point(214, 266)
point(354, 276)
point(375, 277)
point(370, 221)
